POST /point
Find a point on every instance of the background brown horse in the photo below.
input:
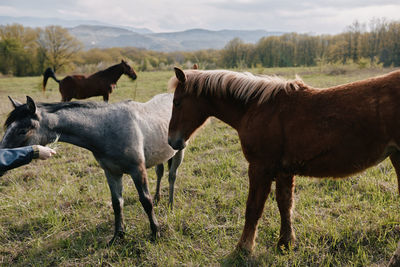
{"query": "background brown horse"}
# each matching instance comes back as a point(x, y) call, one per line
point(287, 128)
point(98, 84)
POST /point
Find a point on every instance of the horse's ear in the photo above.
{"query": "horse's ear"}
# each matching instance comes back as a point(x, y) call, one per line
point(195, 66)
point(15, 103)
point(123, 61)
point(180, 75)
point(30, 104)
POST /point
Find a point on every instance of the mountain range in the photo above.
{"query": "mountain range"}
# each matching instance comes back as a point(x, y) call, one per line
point(94, 34)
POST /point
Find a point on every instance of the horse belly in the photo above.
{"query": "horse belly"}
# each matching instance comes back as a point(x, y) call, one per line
point(342, 162)
point(86, 90)
point(155, 141)
point(157, 154)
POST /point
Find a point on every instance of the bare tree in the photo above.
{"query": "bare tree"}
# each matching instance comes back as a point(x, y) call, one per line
point(58, 46)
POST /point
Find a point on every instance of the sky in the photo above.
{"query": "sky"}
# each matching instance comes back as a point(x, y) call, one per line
point(318, 17)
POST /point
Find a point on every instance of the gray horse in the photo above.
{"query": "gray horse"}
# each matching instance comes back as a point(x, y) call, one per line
point(125, 137)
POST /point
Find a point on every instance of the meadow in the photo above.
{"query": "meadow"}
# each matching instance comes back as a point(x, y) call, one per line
point(58, 212)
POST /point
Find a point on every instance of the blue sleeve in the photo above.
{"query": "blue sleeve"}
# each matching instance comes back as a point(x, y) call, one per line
point(15, 157)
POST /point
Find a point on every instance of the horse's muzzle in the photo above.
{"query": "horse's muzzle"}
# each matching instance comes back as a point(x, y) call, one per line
point(178, 144)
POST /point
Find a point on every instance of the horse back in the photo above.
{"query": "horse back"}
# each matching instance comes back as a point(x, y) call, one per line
point(328, 132)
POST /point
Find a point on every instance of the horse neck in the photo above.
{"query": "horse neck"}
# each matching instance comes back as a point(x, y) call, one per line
point(113, 73)
point(74, 126)
point(228, 110)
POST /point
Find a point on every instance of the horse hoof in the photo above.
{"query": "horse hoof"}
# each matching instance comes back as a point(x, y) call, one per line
point(117, 237)
point(155, 234)
point(285, 244)
point(156, 198)
point(241, 252)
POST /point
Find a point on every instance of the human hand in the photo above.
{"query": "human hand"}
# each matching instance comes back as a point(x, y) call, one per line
point(45, 152)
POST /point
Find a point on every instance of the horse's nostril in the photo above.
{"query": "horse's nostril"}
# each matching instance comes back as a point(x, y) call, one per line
point(177, 144)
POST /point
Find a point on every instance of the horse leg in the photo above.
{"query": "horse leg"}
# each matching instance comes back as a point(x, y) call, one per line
point(139, 176)
point(115, 183)
point(260, 186)
point(105, 97)
point(169, 163)
point(176, 161)
point(66, 99)
point(159, 173)
point(284, 197)
point(395, 159)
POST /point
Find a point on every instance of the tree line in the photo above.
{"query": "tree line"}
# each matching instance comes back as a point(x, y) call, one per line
point(28, 51)
point(375, 43)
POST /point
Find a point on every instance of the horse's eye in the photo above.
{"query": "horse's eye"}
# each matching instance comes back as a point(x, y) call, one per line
point(22, 132)
point(177, 103)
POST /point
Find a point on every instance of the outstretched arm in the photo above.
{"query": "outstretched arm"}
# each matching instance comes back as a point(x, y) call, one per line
point(15, 157)
point(44, 152)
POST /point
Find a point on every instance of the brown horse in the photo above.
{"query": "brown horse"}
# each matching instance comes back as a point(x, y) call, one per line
point(100, 83)
point(288, 128)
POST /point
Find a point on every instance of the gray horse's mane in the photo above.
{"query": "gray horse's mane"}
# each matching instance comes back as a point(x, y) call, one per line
point(54, 107)
point(241, 85)
point(22, 111)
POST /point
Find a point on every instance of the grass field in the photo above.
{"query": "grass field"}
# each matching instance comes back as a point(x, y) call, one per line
point(58, 212)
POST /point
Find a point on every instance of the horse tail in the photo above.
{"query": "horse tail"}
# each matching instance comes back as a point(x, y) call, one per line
point(49, 73)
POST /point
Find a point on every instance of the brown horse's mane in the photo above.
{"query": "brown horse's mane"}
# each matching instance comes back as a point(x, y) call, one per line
point(110, 71)
point(241, 85)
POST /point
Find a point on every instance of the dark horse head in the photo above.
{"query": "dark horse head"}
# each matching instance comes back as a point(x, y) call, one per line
point(22, 126)
point(128, 70)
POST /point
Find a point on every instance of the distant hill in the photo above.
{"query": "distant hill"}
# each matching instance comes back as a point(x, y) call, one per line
point(190, 40)
point(94, 34)
point(105, 37)
point(196, 39)
point(42, 22)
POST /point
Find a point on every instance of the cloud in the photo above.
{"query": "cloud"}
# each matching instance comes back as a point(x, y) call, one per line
point(334, 20)
point(328, 16)
point(8, 10)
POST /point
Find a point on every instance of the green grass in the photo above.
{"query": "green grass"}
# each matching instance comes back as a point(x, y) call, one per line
point(58, 212)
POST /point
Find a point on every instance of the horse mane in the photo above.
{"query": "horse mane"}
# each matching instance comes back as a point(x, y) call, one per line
point(22, 111)
point(54, 107)
point(241, 85)
point(108, 70)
